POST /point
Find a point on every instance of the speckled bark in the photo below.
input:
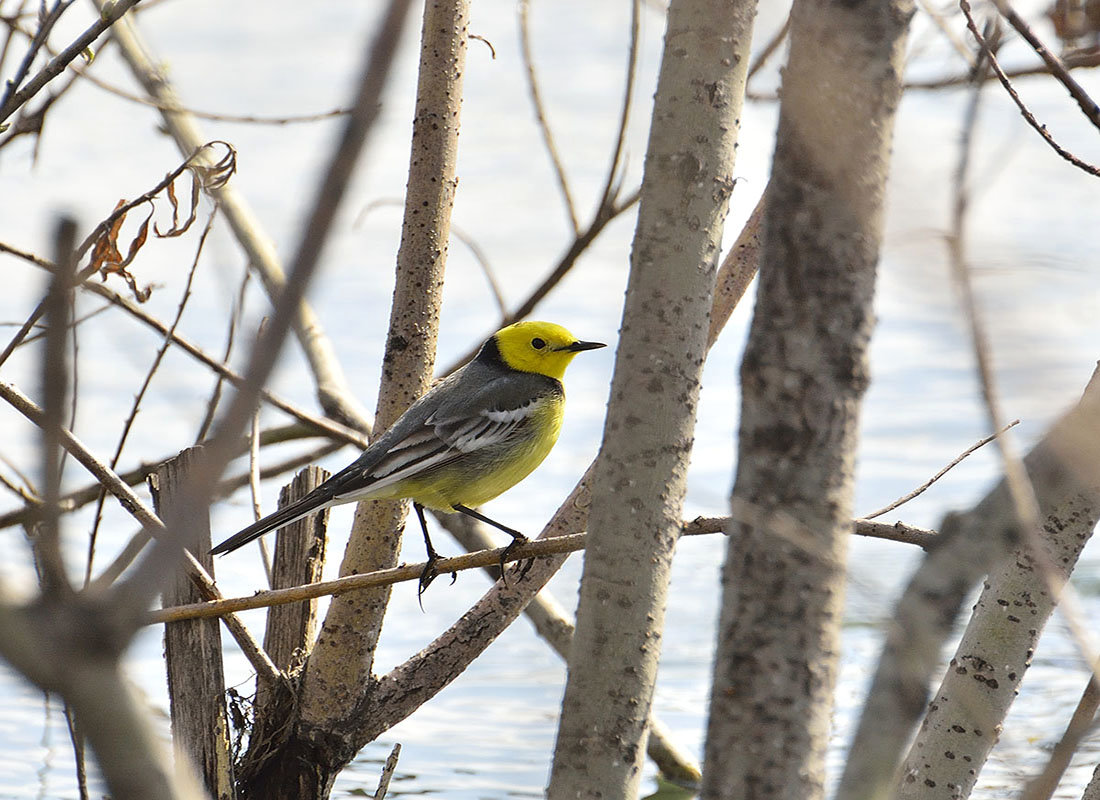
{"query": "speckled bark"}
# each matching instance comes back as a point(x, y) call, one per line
point(340, 666)
point(326, 724)
point(803, 376)
point(964, 718)
point(966, 712)
point(639, 478)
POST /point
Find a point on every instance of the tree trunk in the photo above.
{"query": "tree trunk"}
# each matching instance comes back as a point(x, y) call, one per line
point(326, 723)
point(640, 475)
point(803, 376)
point(1063, 472)
point(339, 669)
point(984, 676)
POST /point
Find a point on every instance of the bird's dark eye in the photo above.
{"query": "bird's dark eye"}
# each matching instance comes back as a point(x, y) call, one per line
point(537, 343)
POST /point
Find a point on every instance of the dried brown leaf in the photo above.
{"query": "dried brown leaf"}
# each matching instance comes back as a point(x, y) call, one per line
point(105, 251)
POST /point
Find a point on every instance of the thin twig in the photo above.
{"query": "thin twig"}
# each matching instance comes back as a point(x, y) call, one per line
point(331, 190)
point(536, 548)
point(12, 22)
point(560, 270)
point(769, 49)
point(955, 462)
point(94, 237)
point(46, 21)
point(1074, 61)
point(230, 338)
point(216, 116)
point(138, 542)
point(475, 249)
point(23, 492)
point(76, 738)
point(1054, 64)
point(1034, 123)
point(323, 425)
point(956, 41)
point(81, 497)
point(540, 114)
point(1042, 786)
point(108, 16)
point(613, 184)
point(387, 772)
point(254, 482)
point(135, 407)
point(149, 520)
point(333, 392)
point(1022, 494)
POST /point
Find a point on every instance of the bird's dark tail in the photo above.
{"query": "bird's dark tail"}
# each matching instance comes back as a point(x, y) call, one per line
point(314, 501)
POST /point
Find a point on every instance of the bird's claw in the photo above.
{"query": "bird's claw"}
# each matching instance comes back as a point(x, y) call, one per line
point(524, 568)
point(427, 575)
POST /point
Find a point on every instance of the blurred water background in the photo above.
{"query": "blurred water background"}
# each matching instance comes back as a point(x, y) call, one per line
point(1033, 243)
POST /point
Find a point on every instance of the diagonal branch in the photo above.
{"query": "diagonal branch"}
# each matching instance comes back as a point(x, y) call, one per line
point(1024, 110)
point(107, 17)
point(149, 520)
point(333, 393)
point(540, 113)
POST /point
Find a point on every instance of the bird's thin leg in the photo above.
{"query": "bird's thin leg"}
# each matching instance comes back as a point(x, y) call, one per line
point(517, 539)
point(430, 573)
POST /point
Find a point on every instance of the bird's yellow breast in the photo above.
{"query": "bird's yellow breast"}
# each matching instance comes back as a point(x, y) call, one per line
point(477, 477)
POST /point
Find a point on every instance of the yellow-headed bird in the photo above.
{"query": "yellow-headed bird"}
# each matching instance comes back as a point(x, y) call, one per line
point(474, 435)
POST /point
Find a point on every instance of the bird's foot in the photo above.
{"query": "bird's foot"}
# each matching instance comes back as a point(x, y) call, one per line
point(523, 568)
point(427, 575)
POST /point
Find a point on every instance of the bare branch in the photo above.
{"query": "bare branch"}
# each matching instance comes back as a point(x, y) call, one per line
point(1083, 721)
point(561, 269)
point(1054, 64)
point(613, 184)
point(127, 425)
point(540, 114)
point(480, 559)
point(108, 16)
point(332, 389)
point(1075, 60)
point(143, 514)
point(1034, 123)
point(769, 49)
point(905, 498)
point(230, 340)
point(322, 425)
point(51, 566)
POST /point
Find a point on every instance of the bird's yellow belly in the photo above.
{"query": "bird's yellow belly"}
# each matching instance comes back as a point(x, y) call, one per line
point(478, 477)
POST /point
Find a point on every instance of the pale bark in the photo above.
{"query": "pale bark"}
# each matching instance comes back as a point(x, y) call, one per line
point(325, 726)
point(803, 377)
point(967, 711)
point(552, 623)
point(996, 648)
point(640, 476)
point(339, 669)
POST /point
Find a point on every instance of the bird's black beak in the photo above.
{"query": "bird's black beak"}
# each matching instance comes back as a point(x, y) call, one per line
point(577, 347)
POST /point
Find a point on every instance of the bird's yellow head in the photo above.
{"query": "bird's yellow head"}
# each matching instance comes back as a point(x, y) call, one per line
point(541, 347)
